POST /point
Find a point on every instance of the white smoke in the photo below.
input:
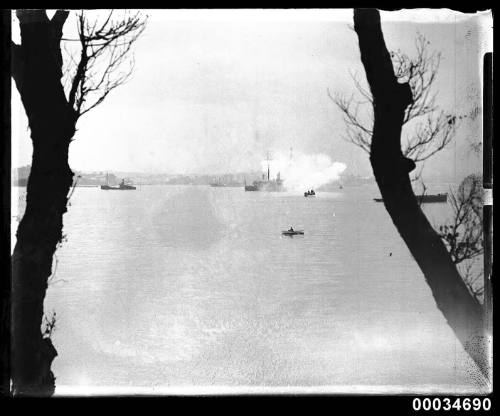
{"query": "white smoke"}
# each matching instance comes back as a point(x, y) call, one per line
point(301, 172)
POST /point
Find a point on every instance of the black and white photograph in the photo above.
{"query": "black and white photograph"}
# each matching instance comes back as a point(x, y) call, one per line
point(250, 202)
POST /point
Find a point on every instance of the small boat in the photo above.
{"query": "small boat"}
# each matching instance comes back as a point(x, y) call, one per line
point(293, 232)
point(433, 198)
point(310, 193)
point(252, 188)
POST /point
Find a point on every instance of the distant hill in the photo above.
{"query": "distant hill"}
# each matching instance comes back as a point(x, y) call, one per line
point(20, 178)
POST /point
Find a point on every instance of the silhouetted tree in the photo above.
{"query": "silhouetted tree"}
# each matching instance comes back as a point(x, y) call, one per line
point(37, 69)
point(391, 100)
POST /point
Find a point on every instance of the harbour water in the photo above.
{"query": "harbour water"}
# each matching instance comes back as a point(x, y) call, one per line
point(195, 288)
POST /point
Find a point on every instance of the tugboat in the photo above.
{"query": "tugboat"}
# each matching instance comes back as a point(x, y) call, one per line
point(122, 187)
point(292, 232)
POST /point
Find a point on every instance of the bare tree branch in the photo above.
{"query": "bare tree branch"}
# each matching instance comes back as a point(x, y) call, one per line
point(104, 50)
point(427, 136)
point(463, 234)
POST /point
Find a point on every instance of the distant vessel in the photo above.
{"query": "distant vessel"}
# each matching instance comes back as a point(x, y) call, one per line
point(425, 198)
point(122, 187)
point(267, 184)
point(291, 231)
point(310, 193)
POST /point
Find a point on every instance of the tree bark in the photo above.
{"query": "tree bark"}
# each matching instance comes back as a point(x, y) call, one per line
point(37, 71)
point(391, 169)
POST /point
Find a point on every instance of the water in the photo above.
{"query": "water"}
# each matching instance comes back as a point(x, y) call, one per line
point(169, 287)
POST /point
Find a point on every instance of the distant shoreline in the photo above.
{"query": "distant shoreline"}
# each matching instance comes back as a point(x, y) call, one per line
point(78, 186)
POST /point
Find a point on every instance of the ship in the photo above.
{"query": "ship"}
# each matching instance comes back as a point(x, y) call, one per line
point(266, 183)
point(121, 187)
point(425, 198)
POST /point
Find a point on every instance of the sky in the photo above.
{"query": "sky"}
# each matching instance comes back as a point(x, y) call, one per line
point(215, 91)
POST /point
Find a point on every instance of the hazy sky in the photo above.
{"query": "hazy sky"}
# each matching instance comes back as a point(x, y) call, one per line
point(214, 91)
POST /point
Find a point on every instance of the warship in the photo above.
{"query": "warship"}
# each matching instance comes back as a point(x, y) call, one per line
point(266, 183)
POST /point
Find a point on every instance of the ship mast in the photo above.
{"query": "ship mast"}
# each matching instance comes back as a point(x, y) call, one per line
point(267, 165)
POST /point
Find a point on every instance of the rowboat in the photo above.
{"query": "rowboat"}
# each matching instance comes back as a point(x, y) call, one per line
point(294, 232)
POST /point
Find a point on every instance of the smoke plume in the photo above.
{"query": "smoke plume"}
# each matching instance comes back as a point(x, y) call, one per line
point(301, 172)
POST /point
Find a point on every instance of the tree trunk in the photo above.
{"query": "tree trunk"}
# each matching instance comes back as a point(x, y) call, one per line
point(391, 169)
point(36, 69)
point(5, 168)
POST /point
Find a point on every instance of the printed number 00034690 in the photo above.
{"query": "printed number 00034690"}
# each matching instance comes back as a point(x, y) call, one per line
point(459, 403)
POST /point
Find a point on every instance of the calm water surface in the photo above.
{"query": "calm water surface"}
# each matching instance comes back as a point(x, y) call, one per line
point(175, 286)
